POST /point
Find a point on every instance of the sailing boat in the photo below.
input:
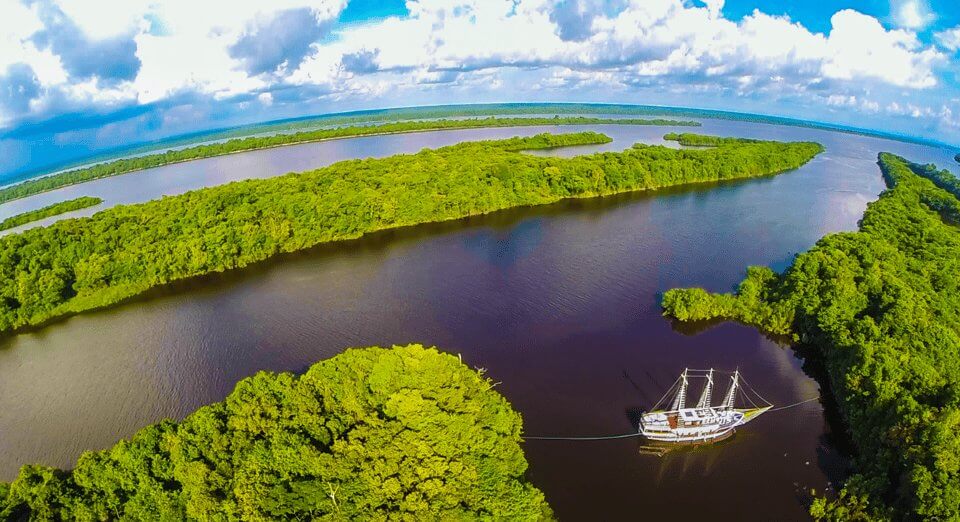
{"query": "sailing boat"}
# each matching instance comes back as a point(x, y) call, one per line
point(703, 422)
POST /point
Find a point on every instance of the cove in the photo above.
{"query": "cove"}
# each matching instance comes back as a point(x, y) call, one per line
point(559, 304)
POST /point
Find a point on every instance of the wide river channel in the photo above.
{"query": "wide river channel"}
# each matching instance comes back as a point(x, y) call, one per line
point(559, 304)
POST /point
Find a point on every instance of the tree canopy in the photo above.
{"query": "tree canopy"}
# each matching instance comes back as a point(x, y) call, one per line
point(230, 146)
point(51, 210)
point(881, 307)
point(405, 433)
point(80, 264)
point(941, 178)
point(701, 140)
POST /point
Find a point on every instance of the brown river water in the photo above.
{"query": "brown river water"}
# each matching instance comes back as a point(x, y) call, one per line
point(558, 303)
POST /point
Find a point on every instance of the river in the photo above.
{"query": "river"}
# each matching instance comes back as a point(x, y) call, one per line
point(558, 304)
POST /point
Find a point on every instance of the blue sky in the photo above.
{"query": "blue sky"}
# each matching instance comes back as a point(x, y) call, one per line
point(82, 76)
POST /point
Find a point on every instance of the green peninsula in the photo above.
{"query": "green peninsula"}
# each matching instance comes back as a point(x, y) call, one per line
point(881, 308)
point(405, 433)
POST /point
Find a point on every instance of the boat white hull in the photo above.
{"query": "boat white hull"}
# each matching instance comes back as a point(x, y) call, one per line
point(689, 439)
point(703, 422)
point(711, 425)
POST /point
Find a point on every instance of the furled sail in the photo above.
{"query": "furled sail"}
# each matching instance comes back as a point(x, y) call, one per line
point(705, 422)
point(680, 401)
point(707, 396)
point(732, 392)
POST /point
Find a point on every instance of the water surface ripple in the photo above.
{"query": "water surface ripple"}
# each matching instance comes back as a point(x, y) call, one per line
point(558, 303)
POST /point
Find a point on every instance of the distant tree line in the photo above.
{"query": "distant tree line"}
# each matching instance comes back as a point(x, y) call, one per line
point(701, 140)
point(124, 166)
point(881, 307)
point(80, 264)
point(371, 434)
point(941, 178)
point(51, 210)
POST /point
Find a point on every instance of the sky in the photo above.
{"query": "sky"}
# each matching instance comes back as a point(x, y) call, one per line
point(82, 76)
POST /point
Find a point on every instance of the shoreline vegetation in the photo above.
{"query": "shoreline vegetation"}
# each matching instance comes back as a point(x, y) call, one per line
point(700, 140)
point(235, 145)
point(82, 264)
point(370, 434)
point(51, 210)
point(881, 308)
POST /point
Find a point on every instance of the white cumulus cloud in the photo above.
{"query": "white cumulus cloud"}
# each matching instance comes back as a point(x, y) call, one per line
point(949, 39)
point(288, 51)
point(911, 14)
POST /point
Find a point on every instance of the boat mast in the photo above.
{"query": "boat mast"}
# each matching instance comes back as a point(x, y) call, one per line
point(707, 396)
point(680, 401)
point(732, 393)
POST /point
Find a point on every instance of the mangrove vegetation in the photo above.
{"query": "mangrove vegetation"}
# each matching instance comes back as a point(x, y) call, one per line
point(701, 140)
point(941, 178)
point(51, 210)
point(881, 308)
point(127, 165)
point(80, 264)
point(406, 433)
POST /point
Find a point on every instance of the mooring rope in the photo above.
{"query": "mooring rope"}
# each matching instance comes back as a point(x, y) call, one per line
point(637, 434)
point(606, 437)
point(811, 399)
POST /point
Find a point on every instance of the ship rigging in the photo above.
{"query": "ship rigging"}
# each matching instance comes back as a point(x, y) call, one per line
point(704, 422)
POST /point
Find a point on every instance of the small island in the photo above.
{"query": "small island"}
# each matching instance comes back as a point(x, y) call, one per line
point(699, 140)
point(51, 210)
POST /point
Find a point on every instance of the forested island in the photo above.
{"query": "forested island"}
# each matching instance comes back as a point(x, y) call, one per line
point(51, 210)
point(881, 308)
point(406, 433)
point(80, 264)
point(700, 140)
point(127, 165)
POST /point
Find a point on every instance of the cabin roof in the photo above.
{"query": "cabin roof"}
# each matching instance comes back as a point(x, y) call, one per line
point(692, 414)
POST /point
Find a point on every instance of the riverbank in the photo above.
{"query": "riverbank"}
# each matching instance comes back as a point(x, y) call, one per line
point(437, 429)
point(880, 307)
point(238, 145)
point(51, 210)
point(98, 261)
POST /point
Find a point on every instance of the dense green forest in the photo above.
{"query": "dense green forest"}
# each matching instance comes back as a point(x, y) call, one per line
point(881, 308)
point(405, 433)
point(51, 210)
point(124, 166)
point(941, 178)
point(700, 140)
point(80, 264)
